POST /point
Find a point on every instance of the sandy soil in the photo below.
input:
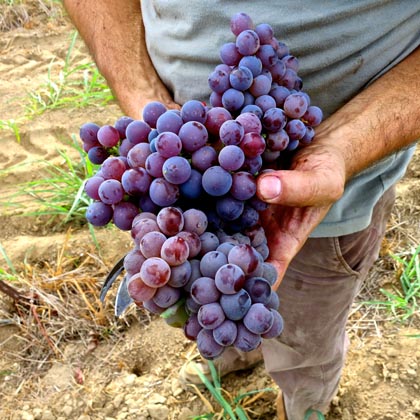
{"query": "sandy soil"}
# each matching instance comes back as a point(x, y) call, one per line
point(62, 357)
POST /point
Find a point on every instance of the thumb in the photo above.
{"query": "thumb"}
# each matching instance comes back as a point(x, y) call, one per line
point(300, 188)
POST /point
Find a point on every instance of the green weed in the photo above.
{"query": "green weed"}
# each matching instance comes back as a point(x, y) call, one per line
point(404, 302)
point(6, 372)
point(61, 191)
point(11, 125)
point(74, 87)
point(231, 408)
point(11, 273)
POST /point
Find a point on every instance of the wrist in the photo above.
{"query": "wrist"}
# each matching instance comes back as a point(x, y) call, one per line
point(132, 99)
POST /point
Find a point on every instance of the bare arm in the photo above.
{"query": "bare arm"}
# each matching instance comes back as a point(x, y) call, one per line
point(379, 121)
point(114, 34)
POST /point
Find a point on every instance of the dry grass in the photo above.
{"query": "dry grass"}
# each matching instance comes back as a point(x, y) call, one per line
point(61, 305)
point(367, 320)
point(23, 14)
point(12, 17)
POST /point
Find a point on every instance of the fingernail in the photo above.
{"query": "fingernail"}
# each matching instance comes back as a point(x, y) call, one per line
point(270, 187)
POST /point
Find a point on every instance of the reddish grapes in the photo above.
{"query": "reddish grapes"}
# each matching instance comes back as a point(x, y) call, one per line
point(184, 183)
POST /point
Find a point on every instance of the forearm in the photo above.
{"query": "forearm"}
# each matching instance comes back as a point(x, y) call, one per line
point(114, 34)
point(382, 119)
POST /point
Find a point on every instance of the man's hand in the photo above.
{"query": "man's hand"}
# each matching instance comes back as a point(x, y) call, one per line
point(300, 198)
point(380, 120)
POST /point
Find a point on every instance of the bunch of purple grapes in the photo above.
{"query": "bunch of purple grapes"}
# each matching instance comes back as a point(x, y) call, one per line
point(217, 285)
point(259, 75)
point(195, 157)
point(183, 182)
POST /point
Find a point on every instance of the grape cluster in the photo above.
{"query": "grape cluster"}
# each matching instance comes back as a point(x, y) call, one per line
point(183, 182)
point(218, 284)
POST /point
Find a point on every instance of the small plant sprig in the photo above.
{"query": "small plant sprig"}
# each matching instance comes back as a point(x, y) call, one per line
point(13, 126)
point(76, 86)
point(404, 302)
point(232, 408)
point(11, 273)
point(61, 191)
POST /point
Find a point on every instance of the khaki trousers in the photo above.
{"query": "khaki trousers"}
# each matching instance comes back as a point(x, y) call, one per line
point(315, 299)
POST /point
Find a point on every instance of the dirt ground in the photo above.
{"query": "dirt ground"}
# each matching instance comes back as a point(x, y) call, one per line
point(63, 356)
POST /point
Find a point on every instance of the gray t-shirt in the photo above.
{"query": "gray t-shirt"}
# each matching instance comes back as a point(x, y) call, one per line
point(342, 47)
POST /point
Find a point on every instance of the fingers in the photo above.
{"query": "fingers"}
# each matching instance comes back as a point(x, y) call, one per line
point(281, 268)
point(287, 229)
point(300, 188)
point(281, 240)
point(300, 198)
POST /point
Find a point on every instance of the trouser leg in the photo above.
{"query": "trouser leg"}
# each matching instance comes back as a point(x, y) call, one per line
point(315, 299)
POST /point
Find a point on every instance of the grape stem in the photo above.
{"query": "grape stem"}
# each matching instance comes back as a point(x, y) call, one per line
point(172, 310)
